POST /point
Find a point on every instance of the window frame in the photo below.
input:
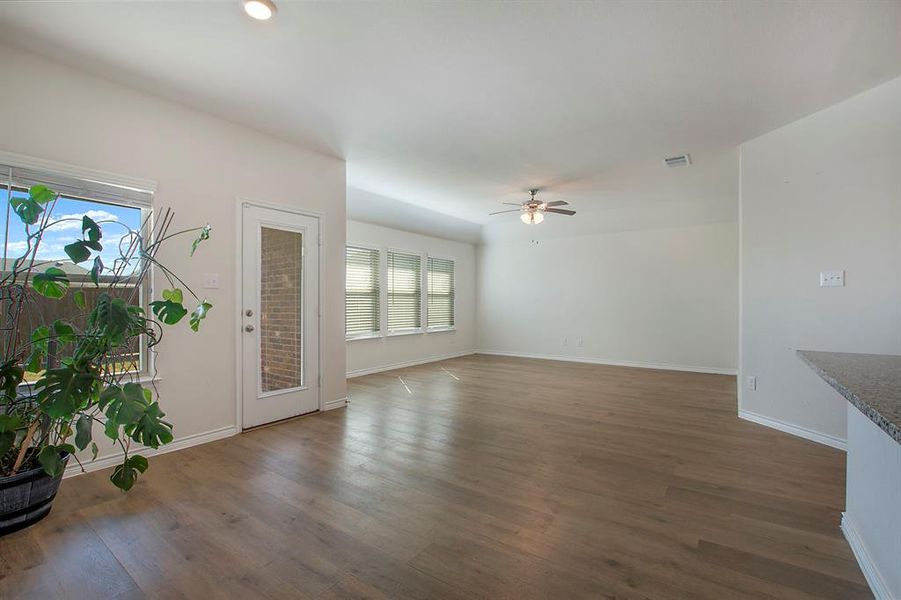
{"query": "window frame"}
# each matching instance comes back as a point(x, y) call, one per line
point(441, 328)
point(388, 332)
point(61, 175)
point(382, 287)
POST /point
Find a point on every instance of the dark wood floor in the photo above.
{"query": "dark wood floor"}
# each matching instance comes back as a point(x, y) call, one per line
point(491, 478)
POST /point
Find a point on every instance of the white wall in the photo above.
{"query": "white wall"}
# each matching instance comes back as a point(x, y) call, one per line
point(378, 354)
point(652, 297)
point(819, 194)
point(201, 164)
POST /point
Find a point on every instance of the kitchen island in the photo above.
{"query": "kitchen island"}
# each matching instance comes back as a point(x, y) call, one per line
point(872, 519)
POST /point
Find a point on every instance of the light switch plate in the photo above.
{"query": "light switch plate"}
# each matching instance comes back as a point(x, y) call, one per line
point(211, 281)
point(751, 383)
point(832, 278)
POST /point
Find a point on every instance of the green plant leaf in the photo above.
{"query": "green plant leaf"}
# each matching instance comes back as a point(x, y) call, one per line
point(80, 300)
point(92, 229)
point(125, 475)
point(27, 210)
point(41, 194)
point(111, 429)
point(9, 423)
point(97, 270)
point(94, 451)
point(78, 251)
point(125, 405)
point(52, 283)
point(83, 433)
point(51, 461)
point(204, 235)
point(40, 344)
point(174, 295)
point(11, 375)
point(167, 311)
point(150, 429)
point(65, 333)
point(199, 314)
point(112, 317)
point(65, 390)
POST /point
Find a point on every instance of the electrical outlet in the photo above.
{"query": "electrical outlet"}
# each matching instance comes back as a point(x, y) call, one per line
point(211, 281)
point(832, 278)
point(751, 383)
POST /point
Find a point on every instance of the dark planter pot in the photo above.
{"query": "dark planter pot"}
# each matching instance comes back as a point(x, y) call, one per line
point(26, 498)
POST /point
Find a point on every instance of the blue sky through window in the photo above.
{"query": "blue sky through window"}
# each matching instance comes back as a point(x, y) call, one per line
point(113, 220)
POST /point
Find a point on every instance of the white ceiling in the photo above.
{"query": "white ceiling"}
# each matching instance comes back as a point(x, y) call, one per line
point(458, 106)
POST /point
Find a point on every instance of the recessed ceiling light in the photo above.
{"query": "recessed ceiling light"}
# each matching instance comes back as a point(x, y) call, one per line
point(260, 10)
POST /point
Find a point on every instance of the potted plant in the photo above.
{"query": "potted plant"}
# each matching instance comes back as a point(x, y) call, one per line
point(69, 346)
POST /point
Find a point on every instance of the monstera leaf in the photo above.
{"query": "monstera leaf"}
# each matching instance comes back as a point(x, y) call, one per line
point(83, 433)
point(204, 235)
point(112, 317)
point(91, 229)
point(168, 312)
point(150, 429)
point(199, 314)
point(27, 210)
point(125, 475)
point(125, 405)
point(64, 391)
point(52, 283)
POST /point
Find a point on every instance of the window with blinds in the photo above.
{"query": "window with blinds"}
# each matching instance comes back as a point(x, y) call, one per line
point(440, 293)
point(404, 291)
point(362, 292)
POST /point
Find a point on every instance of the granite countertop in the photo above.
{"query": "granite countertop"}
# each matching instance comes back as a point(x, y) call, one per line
point(871, 382)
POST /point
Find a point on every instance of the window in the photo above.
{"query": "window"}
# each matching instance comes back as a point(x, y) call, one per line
point(440, 293)
point(117, 209)
point(361, 301)
point(404, 291)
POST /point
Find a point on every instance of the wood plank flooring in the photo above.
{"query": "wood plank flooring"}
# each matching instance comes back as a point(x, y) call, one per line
point(491, 477)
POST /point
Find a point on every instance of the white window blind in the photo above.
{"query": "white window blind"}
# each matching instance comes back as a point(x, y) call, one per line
point(362, 292)
point(440, 293)
point(404, 291)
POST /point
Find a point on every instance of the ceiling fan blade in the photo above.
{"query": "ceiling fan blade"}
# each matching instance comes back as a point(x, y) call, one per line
point(504, 211)
point(560, 211)
point(557, 203)
point(512, 203)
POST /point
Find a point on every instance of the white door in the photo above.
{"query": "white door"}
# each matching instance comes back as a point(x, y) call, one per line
point(280, 322)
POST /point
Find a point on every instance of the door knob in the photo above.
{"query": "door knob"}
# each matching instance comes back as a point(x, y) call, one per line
point(248, 328)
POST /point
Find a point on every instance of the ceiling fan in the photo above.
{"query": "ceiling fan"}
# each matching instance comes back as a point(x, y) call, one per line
point(533, 210)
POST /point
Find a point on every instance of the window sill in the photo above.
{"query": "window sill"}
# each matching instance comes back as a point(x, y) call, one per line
point(368, 336)
point(404, 332)
point(126, 378)
point(441, 329)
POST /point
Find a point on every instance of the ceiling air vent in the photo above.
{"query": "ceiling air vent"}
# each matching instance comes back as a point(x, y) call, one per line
point(678, 161)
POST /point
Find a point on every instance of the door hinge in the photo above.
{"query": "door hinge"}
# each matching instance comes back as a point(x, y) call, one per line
point(320, 239)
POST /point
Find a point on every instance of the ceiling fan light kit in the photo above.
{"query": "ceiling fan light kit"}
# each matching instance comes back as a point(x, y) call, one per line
point(533, 210)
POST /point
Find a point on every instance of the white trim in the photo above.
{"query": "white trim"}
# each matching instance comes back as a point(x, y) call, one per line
point(877, 583)
point(179, 444)
point(114, 179)
point(614, 363)
point(397, 332)
point(739, 394)
point(797, 430)
point(333, 404)
point(409, 363)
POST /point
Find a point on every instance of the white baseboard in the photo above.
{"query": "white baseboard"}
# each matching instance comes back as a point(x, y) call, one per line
point(112, 460)
point(333, 404)
point(877, 584)
point(409, 363)
point(802, 432)
point(614, 363)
